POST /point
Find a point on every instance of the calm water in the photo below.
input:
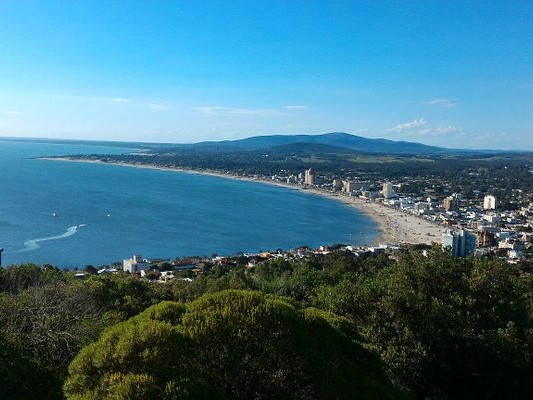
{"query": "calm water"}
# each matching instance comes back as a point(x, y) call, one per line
point(73, 214)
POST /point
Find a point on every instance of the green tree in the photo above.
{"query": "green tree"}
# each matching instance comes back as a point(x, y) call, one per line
point(42, 328)
point(121, 295)
point(448, 326)
point(229, 345)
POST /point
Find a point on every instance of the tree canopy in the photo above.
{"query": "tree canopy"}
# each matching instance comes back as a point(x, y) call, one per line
point(439, 327)
point(446, 326)
point(229, 345)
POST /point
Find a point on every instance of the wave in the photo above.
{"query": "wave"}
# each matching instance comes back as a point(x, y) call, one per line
point(33, 244)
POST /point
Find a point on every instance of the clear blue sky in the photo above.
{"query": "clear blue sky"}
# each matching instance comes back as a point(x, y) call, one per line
point(450, 73)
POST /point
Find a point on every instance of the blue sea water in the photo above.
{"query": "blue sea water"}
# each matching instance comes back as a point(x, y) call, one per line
point(72, 214)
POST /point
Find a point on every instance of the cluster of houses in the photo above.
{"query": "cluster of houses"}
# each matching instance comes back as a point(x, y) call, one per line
point(486, 229)
point(186, 268)
point(475, 225)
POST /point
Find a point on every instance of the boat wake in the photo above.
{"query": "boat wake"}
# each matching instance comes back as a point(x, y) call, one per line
point(33, 244)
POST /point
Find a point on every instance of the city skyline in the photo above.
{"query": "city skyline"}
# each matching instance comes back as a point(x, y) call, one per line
point(449, 74)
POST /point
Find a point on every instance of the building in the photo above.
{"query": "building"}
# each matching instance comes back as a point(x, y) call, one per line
point(492, 218)
point(461, 242)
point(135, 265)
point(337, 184)
point(487, 239)
point(387, 190)
point(310, 176)
point(489, 202)
point(421, 207)
point(450, 203)
point(348, 187)
point(369, 194)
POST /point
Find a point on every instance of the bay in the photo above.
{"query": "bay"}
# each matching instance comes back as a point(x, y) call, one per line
point(73, 214)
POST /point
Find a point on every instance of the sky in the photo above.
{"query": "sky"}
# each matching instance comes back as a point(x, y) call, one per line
point(447, 73)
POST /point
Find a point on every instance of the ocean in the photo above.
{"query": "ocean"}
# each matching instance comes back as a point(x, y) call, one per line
point(72, 214)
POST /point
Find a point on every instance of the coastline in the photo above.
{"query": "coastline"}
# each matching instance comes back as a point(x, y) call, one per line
point(395, 226)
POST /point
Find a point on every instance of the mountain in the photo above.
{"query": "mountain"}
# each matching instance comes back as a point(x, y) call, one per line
point(336, 139)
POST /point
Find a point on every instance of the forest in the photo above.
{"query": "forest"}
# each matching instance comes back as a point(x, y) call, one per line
point(335, 326)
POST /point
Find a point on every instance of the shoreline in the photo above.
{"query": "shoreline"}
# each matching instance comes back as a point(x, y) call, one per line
point(395, 226)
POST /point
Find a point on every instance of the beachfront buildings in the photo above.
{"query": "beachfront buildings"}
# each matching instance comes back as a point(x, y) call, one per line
point(310, 177)
point(387, 191)
point(337, 184)
point(461, 242)
point(485, 217)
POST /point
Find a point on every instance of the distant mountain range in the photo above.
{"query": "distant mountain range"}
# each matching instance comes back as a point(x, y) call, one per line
point(330, 142)
point(335, 142)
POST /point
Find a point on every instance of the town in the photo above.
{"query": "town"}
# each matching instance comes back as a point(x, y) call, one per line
point(476, 224)
point(475, 203)
point(471, 226)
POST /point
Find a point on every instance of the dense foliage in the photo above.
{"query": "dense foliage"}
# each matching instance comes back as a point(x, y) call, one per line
point(229, 345)
point(442, 327)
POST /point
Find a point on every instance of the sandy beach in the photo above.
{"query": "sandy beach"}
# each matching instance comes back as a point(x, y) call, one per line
point(396, 226)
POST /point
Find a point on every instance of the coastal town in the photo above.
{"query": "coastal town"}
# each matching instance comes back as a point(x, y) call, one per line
point(467, 226)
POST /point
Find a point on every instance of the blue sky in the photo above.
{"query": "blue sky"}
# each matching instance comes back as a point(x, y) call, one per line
point(448, 73)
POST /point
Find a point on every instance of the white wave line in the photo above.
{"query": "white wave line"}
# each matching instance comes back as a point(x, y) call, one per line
point(33, 244)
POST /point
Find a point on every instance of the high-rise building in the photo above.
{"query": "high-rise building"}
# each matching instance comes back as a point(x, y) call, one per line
point(489, 202)
point(387, 190)
point(310, 176)
point(461, 242)
point(449, 203)
point(347, 187)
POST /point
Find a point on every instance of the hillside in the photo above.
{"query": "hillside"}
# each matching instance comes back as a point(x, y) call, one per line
point(336, 139)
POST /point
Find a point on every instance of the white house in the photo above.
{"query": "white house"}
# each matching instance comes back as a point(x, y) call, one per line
point(135, 265)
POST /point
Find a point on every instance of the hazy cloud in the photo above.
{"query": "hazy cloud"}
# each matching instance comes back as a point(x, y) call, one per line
point(11, 112)
point(442, 103)
point(236, 111)
point(112, 99)
point(296, 107)
point(408, 125)
point(439, 131)
point(155, 106)
point(447, 129)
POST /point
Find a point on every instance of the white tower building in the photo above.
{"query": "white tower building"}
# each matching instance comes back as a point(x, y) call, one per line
point(387, 190)
point(310, 176)
point(489, 202)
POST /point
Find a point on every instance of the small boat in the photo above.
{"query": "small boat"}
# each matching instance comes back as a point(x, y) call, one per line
point(54, 214)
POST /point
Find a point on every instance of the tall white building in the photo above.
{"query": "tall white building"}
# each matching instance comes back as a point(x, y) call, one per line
point(310, 176)
point(387, 190)
point(489, 202)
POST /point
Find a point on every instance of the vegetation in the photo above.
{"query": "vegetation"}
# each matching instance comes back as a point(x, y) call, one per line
point(229, 345)
point(337, 326)
point(508, 176)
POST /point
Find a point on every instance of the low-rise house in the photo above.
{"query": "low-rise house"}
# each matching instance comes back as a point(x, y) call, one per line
point(135, 265)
